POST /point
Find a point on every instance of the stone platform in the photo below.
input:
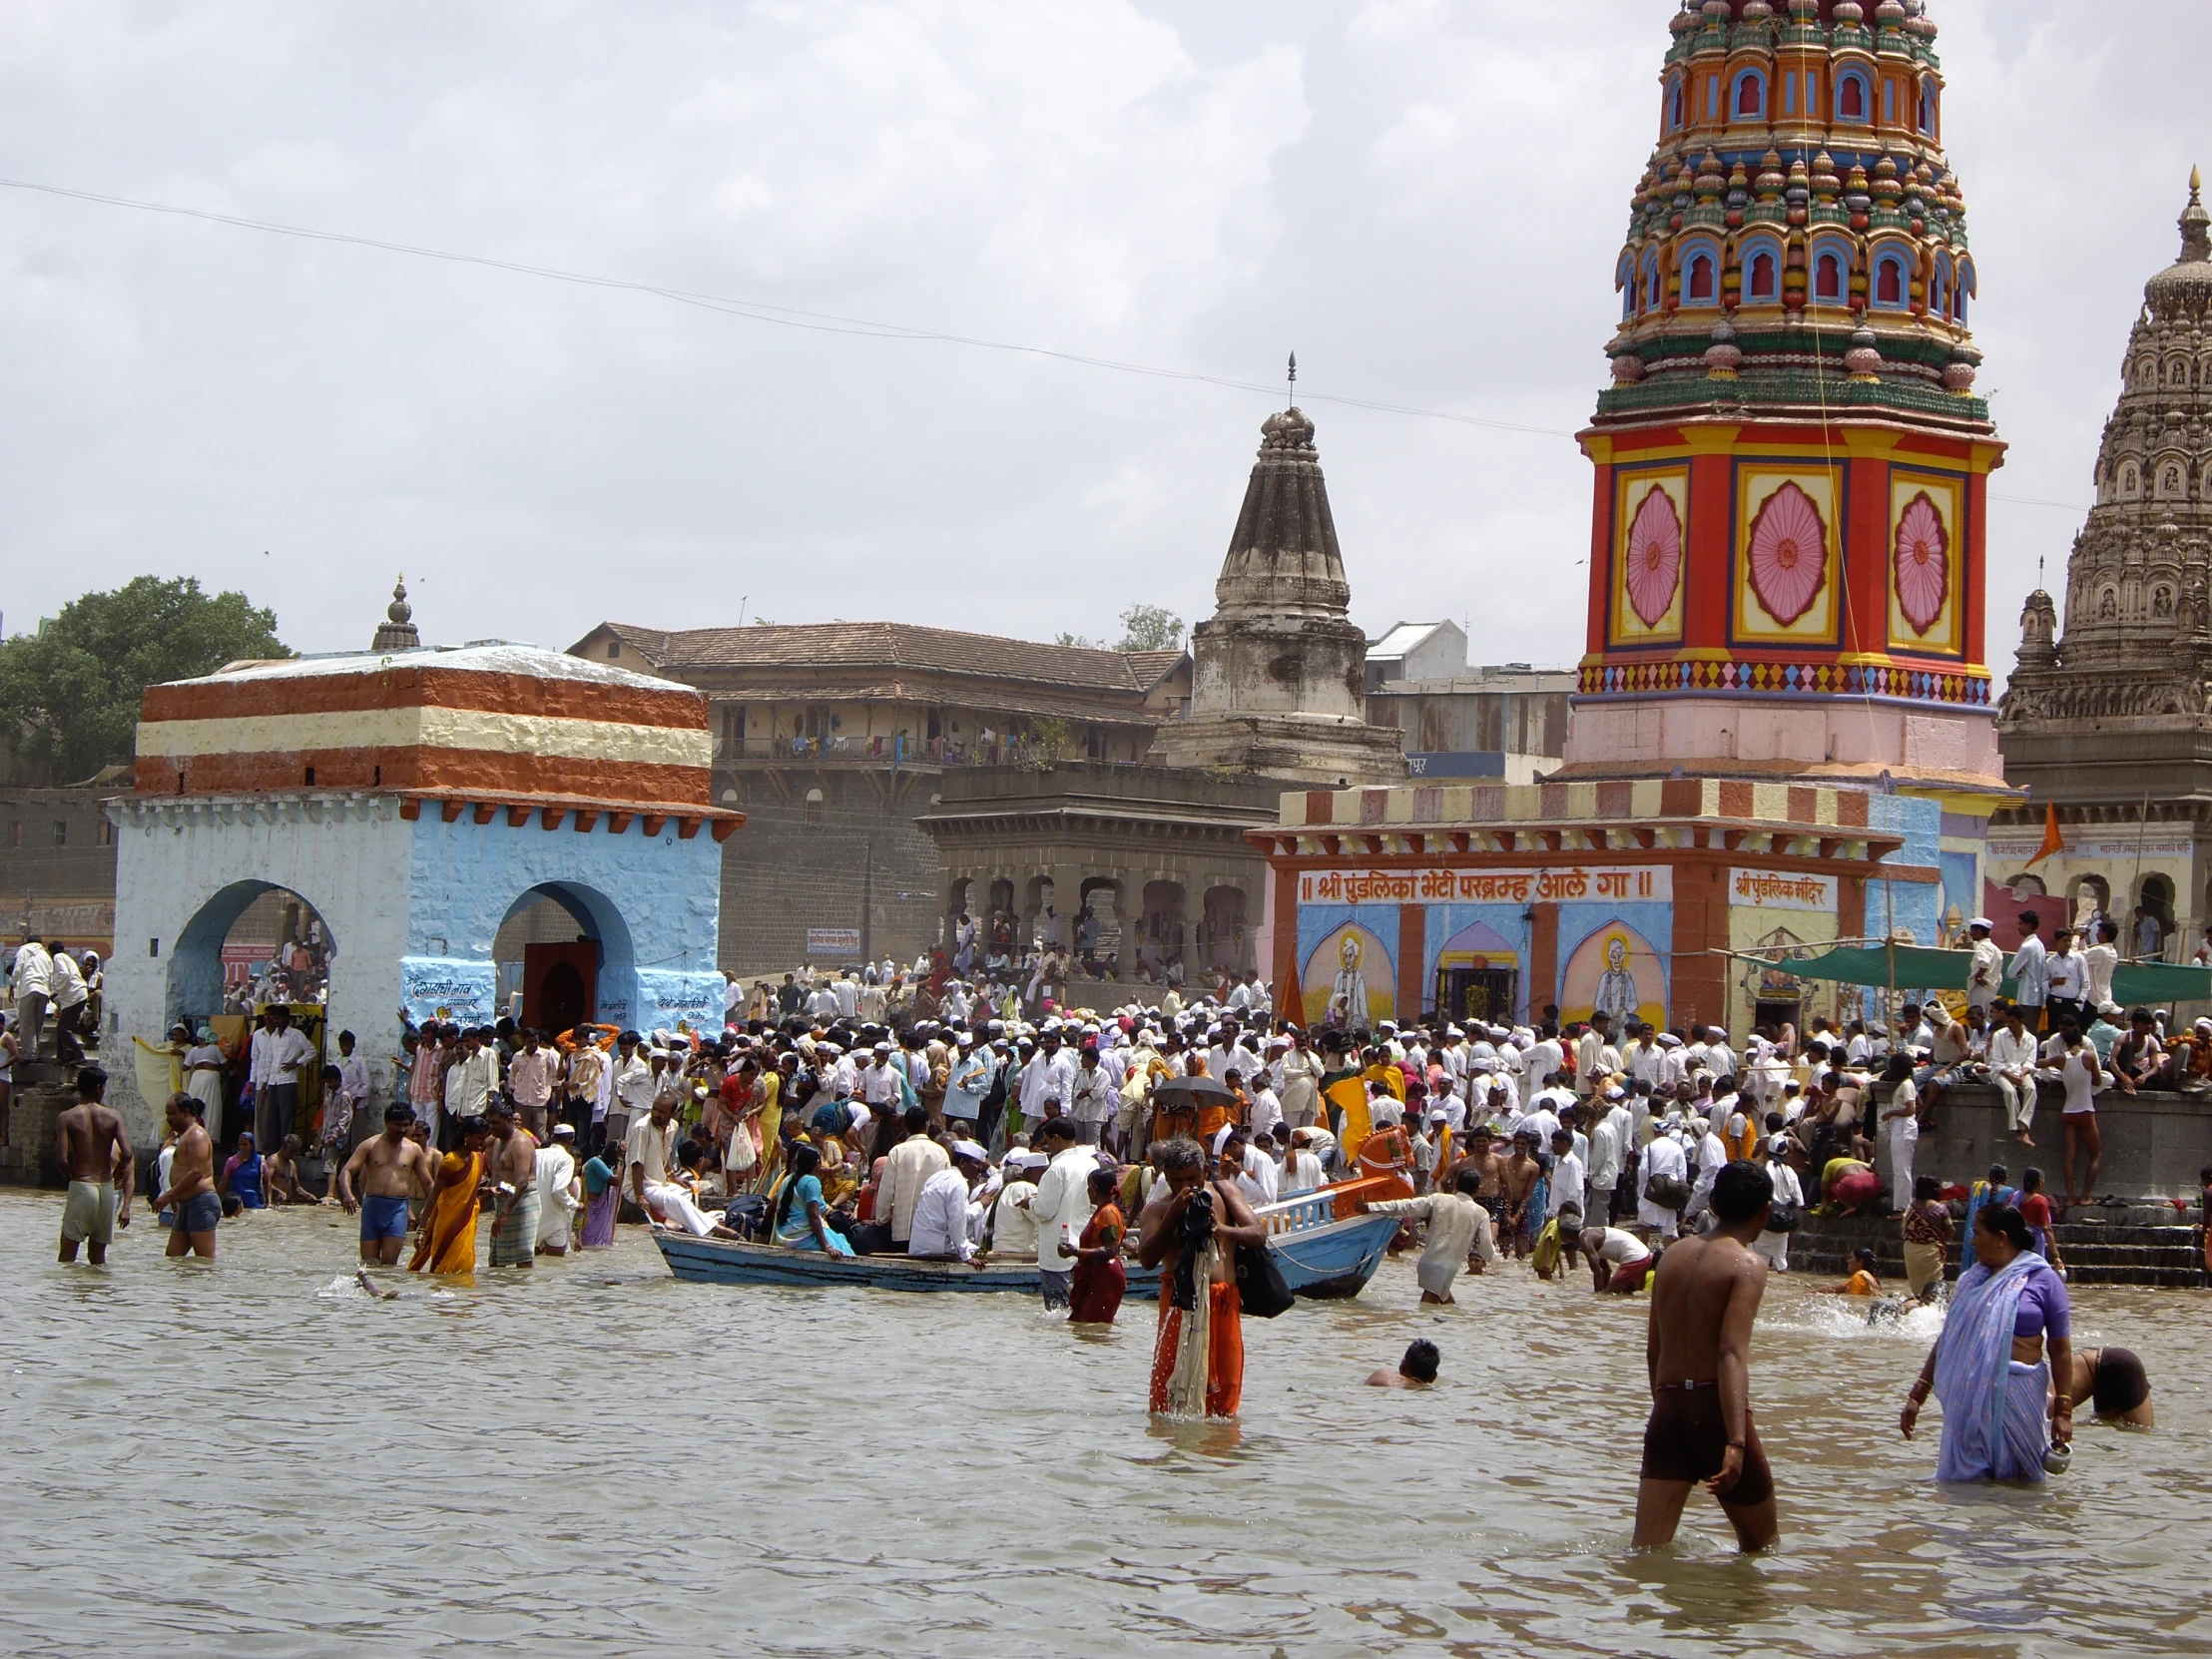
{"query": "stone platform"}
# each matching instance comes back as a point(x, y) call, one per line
point(2155, 1145)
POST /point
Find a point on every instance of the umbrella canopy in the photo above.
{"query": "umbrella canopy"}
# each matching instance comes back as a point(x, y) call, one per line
point(1178, 1092)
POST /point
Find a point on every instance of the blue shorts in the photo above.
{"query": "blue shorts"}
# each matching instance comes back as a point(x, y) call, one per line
point(383, 1218)
point(200, 1213)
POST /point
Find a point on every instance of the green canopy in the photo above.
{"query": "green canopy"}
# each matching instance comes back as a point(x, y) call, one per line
point(2157, 985)
point(1902, 965)
point(1914, 967)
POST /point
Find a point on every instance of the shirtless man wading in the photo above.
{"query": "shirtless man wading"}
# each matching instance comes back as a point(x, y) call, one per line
point(386, 1171)
point(97, 1154)
point(1698, 1351)
point(191, 1197)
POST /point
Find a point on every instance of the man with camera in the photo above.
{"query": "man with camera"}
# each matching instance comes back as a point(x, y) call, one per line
point(1190, 1230)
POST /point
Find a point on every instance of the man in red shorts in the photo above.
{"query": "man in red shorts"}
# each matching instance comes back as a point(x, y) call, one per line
point(1698, 1351)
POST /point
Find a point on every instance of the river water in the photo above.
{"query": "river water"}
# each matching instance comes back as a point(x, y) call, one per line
point(590, 1458)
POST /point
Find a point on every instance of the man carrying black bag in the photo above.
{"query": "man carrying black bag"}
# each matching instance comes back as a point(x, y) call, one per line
point(1193, 1231)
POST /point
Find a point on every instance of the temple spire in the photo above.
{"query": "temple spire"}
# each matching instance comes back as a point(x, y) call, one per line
point(397, 631)
point(2197, 224)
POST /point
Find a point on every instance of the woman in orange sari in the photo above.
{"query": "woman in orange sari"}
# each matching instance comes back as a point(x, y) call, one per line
point(448, 1243)
point(1387, 1154)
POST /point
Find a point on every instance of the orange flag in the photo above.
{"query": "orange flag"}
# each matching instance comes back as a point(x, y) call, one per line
point(2053, 842)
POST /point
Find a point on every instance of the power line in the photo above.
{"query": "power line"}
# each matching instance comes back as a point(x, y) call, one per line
point(791, 316)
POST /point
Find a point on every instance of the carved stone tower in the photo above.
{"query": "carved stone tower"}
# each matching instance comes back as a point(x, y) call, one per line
point(1279, 670)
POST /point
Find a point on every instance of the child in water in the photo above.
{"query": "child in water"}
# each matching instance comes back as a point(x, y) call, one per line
point(1417, 1370)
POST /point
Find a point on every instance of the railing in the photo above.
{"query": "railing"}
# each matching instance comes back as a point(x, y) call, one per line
point(1320, 1207)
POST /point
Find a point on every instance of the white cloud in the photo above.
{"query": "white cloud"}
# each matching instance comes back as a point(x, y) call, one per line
point(1422, 197)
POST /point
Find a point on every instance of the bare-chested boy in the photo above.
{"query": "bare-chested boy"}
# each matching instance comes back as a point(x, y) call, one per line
point(387, 1171)
point(1698, 1352)
point(191, 1197)
point(97, 1153)
point(1518, 1177)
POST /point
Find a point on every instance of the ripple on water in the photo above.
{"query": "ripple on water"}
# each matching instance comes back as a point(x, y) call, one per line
point(590, 1458)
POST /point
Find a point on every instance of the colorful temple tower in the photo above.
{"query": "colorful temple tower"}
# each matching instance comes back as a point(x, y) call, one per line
point(1786, 552)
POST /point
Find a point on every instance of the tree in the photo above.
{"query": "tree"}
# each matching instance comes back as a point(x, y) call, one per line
point(1143, 628)
point(69, 695)
point(1150, 627)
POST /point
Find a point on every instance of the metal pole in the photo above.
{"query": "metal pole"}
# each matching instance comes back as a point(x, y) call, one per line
point(867, 903)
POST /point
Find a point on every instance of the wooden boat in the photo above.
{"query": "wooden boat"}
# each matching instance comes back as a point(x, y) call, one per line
point(1321, 1244)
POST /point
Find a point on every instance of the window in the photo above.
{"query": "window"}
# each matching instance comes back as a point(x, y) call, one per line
point(1939, 290)
point(1759, 285)
point(1891, 286)
point(1712, 100)
point(1788, 94)
point(1675, 111)
point(15, 833)
point(814, 807)
point(1651, 282)
point(1889, 101)
point(61, 831)
point(614, 649)
point(106, 831)
point(1850, 97)
point(1750, 95)
point(1698, 285)
point(1929, 101)
point(1827, 278)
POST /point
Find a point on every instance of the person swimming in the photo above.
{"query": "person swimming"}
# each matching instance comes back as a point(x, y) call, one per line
point(1418, 1369)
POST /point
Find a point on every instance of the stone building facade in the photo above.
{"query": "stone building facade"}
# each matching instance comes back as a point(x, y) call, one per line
point(2110, 722)
point(57, 866)
point(833, 737)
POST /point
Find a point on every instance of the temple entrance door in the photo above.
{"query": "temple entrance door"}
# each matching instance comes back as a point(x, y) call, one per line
point(1773, 1015)
point(1483, 993)
point(559, 986)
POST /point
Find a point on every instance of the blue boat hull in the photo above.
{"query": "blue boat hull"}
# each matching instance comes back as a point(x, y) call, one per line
point(1335, 1260)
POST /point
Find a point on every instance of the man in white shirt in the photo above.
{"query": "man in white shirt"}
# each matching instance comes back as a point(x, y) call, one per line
point(1663, 1157)
point(1595, 1058)
point(1062, 1207)
point(1987, 970)
point(630, 1087)
point(905, 1172)
point(70, 1000)
point(1049, 1075)
point(880, 1085)
point(1092, 1098)
point(1645, 1058)
point(1567, 1176)
point(278, 1055)
point(941, 1229)
point(822, 1003)
point(1255, 1175)
point(2012, 1067)
point(847, 992)
point(2031, 972)
point(33, 983)
point(1711, 1156)
point(1302, 1171)
point(1608, 1156)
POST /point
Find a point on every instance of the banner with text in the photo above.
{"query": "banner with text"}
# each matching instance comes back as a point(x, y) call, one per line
point(833, 941)
point(1553, 884)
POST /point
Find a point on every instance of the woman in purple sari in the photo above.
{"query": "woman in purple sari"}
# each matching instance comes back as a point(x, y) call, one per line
point(603, 1191)
point(2001, 1417)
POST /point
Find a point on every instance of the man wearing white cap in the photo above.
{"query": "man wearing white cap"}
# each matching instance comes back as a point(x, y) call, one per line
point(1987, 972)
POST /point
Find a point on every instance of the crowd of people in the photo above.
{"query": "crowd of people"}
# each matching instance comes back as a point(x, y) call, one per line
point(981, 1131)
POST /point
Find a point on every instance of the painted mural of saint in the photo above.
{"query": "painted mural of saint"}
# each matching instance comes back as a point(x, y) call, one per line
point(1616, 986)
point(1348, 994)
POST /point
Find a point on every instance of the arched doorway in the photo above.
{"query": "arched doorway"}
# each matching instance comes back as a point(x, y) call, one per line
point(563, 960)
point(255, 945)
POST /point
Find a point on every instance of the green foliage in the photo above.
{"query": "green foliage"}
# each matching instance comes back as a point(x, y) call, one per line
point(1143, 628)
point(69, 697)
point(1150, 627)
point(1053, 737)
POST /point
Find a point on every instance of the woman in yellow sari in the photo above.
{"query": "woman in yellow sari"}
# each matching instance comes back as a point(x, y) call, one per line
point(448, 1243)
point(835, 1168)
point(770, 1125)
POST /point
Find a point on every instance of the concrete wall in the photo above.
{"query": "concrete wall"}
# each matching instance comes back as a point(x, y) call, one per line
point(57, 868)
point(782, 874)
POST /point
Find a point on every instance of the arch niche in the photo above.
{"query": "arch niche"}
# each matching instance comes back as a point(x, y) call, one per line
point(195, 986)
point(589, 977)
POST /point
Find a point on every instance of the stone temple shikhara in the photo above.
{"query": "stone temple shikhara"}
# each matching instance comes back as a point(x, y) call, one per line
point(2109, 722)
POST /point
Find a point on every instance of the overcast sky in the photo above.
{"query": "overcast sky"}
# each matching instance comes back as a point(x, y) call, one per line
point(1422, 197)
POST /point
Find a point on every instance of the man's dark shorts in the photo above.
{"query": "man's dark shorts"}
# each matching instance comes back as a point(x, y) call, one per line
point(1687, 1439)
